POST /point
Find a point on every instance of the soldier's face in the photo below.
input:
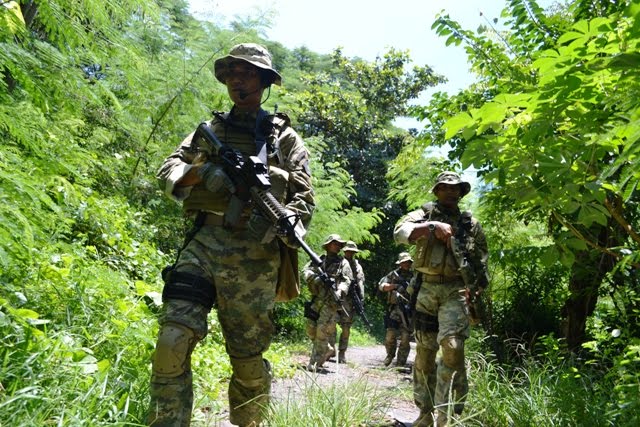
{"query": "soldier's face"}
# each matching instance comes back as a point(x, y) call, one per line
point(405, 265)
point(244, 85)
point(333, 247)
point(448, 195)
point(349, 254)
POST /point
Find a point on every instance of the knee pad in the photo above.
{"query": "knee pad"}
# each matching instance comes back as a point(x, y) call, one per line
point(173, 350)
point(452, 351)
point(250, 372)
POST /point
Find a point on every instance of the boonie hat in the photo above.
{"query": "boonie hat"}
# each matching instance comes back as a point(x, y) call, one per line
point(333, 238)
point(404, 256)
point(350, 246)
point(252, 53)
point(452, 178)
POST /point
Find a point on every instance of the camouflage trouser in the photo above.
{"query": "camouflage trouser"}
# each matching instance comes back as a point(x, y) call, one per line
point(434, 382)
point(391, 343)
point(244, 274)
point(345, 320)
point(397, 329)
point(322, 331)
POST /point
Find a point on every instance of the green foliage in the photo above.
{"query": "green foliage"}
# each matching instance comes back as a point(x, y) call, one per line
point(579, 114)
point(548, 389)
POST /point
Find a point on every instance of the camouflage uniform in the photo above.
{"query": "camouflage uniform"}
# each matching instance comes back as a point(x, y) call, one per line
point(322, 328)
point(397, 319)
point(441, 318)
point(234, 270)
point(347, 313)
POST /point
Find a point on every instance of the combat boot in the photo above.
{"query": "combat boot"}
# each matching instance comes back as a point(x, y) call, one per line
point(342, 358)
point(425, 419)
point(388, 360)
point(331, 353)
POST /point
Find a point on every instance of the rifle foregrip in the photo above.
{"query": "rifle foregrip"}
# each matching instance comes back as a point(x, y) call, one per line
point(268, 205)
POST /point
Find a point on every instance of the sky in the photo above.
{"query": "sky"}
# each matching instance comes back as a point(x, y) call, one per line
point(367, 28)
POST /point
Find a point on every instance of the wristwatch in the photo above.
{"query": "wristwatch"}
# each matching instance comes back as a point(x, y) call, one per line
point(432, 228)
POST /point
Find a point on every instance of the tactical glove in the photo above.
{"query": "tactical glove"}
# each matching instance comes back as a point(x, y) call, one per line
point(290, 240)
point(214, 178)
point(342, 291)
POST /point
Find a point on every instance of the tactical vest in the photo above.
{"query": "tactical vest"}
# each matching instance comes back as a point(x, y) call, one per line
point(399, 276)
point(241, 135)
point(332, 265)
point(433, 257)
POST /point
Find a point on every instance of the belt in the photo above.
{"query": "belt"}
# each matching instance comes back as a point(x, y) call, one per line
point(218, 221)
point(439, 278)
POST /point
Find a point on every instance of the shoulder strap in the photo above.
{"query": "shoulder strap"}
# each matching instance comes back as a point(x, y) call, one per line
point(428, 210)
point(261, 140)
point(272, 127)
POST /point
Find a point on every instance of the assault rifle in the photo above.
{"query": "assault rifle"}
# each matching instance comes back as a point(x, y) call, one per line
point(472, 280)
point(251, 180)
point(476, 281)
point(405, 304)
point(329, 282)
point(358, 306)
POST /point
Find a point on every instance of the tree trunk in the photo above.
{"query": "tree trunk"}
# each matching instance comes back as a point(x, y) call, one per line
point(588, 271)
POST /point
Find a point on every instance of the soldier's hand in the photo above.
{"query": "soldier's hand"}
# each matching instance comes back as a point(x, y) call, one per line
point(292, 226)
point(443, 231)
point(214, 178)
point(388, 287)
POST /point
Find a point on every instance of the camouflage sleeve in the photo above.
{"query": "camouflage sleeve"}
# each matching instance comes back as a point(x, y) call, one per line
point(175, 167)
point(344, 277)
point(385, 279)
point(309, 272)
point(405, 226)
point(296, 162)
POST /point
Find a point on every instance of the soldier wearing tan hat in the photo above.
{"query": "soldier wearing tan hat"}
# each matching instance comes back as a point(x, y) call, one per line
point(439, 230)
point(347, 313)
point(322, 311)
point(397, 319)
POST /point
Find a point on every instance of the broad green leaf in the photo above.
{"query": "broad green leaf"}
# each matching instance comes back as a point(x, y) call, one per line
point(456, 123)
point(569, 36)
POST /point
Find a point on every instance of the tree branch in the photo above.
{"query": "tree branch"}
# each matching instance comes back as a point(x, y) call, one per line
point(617, 215)
point(595, 246)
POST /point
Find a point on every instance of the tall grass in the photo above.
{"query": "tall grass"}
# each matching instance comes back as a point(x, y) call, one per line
point(539, 393)
point(309, 403)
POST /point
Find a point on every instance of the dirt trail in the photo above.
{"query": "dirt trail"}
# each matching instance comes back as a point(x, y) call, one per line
point(363, 364)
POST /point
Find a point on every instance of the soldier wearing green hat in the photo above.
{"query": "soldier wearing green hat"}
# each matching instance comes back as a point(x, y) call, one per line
point(440, 293)
point(242, 268)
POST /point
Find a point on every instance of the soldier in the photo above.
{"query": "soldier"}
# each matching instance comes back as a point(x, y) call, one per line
point(441, 317)
point(236, 267)
point(347, 313)
point(397, 320)
point(328, 296)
